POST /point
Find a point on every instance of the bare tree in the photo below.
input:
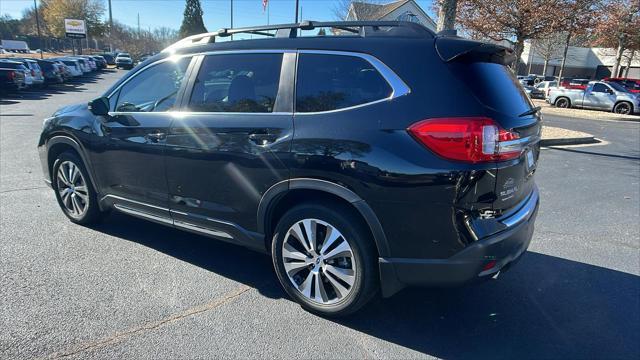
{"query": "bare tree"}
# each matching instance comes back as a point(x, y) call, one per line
point(619, 26)
point(447, 14)
point(366, 9)
point(578, 16)
point(513, 21)
point(548, 48)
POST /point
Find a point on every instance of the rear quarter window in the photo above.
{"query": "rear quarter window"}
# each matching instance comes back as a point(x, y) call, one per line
point(330, 82)
point(495, 86)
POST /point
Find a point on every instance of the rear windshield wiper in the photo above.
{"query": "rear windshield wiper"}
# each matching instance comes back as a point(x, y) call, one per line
point(531, 111)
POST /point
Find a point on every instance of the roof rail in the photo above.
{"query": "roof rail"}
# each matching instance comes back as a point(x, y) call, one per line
point(360, 28)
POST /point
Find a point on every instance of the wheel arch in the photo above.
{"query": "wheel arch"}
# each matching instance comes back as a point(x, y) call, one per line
point(563, 97)
point(631, 108)
point(272, 199)
point(58, 144)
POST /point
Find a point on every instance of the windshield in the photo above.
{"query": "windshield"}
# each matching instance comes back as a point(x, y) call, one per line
point(618, 87)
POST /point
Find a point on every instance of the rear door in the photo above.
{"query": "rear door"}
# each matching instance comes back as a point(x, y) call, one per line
point(227, 149)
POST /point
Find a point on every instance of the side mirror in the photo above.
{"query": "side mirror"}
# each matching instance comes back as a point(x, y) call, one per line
point(99, 106)
point(609, 91)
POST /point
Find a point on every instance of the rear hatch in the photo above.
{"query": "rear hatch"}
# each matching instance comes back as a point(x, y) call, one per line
point(482, 67)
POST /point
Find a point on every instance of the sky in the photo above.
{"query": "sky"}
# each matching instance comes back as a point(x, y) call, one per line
point(158, 13)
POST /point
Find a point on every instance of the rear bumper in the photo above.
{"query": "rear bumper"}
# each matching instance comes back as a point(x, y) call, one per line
point(469, 264)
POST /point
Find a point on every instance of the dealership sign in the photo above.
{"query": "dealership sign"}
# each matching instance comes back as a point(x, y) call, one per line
point(75, 28)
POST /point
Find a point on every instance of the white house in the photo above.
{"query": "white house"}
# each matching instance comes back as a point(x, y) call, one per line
point(402, 10)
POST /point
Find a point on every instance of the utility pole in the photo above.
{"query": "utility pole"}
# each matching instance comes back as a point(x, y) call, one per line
point(232, 18)
point(35, 7)
point(110, 28)
point(138, 25)
point(297, 9)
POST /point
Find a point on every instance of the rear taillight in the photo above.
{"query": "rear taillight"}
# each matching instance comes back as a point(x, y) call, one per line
point(11, 75)
point(33, 73)
point(468, 139)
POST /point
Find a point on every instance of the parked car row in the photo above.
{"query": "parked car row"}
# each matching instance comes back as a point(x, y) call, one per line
point(19, 73)
point(598, 95)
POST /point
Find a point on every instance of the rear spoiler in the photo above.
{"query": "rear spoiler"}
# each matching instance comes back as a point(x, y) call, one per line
point(454, 48)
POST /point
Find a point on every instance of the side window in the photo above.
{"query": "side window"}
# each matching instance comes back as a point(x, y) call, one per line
point(153, 89)
point(599, 88)
point(245, 83)
point(329, 82)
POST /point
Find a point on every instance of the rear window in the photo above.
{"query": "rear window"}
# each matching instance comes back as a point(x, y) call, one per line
point(495, 86)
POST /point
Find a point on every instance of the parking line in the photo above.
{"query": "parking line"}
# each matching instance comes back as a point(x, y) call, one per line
point(121, 335)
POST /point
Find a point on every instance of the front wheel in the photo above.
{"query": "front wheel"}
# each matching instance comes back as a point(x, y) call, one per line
point(74, 190)
point(623, 108)
point(325, 259)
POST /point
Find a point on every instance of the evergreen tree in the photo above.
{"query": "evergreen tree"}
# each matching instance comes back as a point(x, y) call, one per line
point(192, 22)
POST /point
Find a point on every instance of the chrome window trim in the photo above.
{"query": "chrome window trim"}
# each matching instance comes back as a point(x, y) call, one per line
point(398, 86)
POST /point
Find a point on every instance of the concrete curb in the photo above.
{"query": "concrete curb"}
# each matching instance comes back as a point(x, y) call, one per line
point(569, 141)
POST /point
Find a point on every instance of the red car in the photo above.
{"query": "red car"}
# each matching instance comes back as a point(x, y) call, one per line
point(632, 84)
point(580, 84)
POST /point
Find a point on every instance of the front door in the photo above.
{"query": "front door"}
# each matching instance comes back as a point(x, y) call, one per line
point(599, 96)
point(228, 148)
point(129, 154)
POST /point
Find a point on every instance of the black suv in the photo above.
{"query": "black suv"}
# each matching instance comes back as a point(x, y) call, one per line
point(383, 157)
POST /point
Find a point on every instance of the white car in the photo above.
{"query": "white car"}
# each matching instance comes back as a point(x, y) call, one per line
point(123, 60)
point(74, 67)
point(545, 86)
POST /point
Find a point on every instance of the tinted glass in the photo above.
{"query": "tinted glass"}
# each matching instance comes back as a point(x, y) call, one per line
point(154, 89)
point(495, 86)
point(600, 88)
point(617, 87)
point(330, 82)
point(237, 83)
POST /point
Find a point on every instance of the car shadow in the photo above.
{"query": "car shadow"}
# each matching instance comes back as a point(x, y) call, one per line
point(545, 307)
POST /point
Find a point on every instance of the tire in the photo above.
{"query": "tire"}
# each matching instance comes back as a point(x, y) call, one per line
point(563, 103)
point(623, 108)
point(347, 268)
point(80, 204)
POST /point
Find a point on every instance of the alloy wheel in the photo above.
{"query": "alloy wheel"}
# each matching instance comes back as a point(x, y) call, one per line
point(72, 188)
point(622, 109)
point(319, 261)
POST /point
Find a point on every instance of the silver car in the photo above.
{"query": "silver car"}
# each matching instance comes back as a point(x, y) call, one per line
point(598, 95)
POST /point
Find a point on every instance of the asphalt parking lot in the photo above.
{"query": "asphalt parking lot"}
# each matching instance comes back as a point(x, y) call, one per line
point(132, 289)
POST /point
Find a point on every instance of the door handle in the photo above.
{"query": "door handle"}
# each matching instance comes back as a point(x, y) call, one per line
point(262, 138)
point(156, 137)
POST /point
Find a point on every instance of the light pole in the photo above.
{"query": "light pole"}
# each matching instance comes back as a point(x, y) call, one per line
point(232, 18)
point(297, 9)
point(110, 29)
point(35, 7)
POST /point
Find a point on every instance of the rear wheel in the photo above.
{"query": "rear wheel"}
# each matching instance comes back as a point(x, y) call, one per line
point(623, 108)
point(563, 102)
point(325, 259)
point(74, 190)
